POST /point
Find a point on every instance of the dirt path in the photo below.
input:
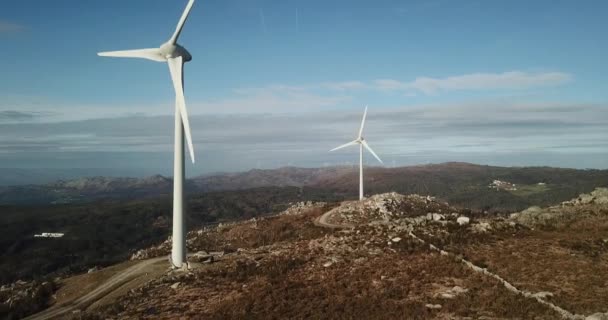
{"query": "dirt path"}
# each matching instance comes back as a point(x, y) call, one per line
point(322, 221)
point(104, 289)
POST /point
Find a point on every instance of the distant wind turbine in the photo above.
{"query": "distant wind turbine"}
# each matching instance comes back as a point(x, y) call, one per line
point(362, 143)
point(175, 55)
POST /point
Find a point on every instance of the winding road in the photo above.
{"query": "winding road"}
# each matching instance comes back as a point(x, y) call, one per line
point(103, 290)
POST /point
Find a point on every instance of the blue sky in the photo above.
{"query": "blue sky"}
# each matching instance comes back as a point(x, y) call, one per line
point(476, 60)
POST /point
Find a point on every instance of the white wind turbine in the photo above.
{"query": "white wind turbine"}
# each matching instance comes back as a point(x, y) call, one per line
point(175, 55)
point(362, 143)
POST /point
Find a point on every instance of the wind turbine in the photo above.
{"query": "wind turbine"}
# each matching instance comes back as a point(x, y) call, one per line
point(175, 55)
point(362, 143)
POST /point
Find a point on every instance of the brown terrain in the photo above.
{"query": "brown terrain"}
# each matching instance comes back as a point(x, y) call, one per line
point(389, 256)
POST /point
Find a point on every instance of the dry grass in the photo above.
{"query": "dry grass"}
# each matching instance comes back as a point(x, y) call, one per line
point(571, 262)
point(72, 288)
point(263, 232)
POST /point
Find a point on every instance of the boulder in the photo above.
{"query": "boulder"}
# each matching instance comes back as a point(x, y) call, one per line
point(462, 220)
point(438, 217)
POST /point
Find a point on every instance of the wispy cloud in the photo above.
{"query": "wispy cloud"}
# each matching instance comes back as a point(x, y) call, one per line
point(488, 81)
point(273, 99)
point(344, 85)
point(10, 27)
point(427, 85)
point(473, 81)
point(263, 21)
point(18, 116)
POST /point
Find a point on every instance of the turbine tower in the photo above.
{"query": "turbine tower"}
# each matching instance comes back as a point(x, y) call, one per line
point(362, 143)
point(175, 56)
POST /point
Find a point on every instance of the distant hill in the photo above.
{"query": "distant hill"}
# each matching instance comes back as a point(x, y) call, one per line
point(462, 184)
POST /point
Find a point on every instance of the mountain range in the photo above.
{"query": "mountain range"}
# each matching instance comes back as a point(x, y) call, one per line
point(461, 183)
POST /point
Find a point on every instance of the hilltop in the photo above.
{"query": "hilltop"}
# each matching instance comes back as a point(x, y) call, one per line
point(389, 256)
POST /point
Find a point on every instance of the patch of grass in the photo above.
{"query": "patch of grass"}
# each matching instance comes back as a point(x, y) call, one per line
point(530, 189)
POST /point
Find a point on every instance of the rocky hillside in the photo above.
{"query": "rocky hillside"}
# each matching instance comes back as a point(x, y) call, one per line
point(389, 256)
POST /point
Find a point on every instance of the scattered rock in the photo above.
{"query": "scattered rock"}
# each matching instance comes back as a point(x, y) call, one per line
point(396, 239)
point(175, 285)
point(433, 306)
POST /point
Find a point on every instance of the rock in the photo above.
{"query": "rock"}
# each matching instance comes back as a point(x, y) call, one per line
point(175, 285)
point(140, 255)
point(433, 306)
point(482, 227)
point(543, 294)
point(327, 264)
point(600, 195)
point(462, 220)
point(598, 316)
point(447, 295)
point(95, 268)
point(396, 239)
point(437, 217)
point(202, 257)
point(201, 253)
point(459, 290)
point(453, 292)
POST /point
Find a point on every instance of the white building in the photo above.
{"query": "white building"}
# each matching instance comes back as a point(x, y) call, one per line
point(48, 235)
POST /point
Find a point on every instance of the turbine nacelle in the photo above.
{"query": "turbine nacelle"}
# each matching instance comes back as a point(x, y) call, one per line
point(173, 50)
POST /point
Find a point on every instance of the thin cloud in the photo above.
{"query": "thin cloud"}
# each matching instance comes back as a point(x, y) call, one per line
point(345, 85)
point(263, 21)
point(10, 27)
point(470, 82)
point(488, 81)
point(19, 116)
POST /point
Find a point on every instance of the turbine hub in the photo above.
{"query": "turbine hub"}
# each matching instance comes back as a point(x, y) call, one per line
point(170, 50)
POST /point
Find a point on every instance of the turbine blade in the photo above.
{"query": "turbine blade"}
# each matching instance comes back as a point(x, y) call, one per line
point(176, 67)
point(371, 151)
point(344, 145)
point(150, 54)
point(181, 22)
point(363, 122)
